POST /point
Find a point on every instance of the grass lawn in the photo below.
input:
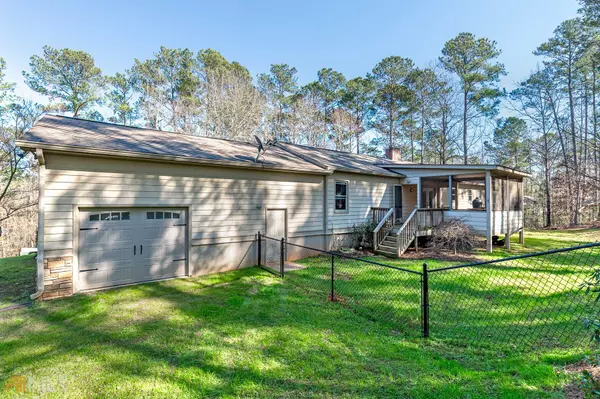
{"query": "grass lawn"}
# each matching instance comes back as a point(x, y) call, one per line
point(518, 304)
point(248, 334)
point(18, 279)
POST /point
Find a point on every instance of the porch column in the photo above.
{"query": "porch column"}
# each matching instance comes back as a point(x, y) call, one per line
point(450, 192)
point(522, 209)
point(507, 213)
point(488, 210)
point(419, 193)
point(456, 196)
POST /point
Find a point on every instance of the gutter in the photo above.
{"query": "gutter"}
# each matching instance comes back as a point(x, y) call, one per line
point(39, 153)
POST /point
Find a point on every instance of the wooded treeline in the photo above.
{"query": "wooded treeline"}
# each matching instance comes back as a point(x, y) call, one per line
point(452, 110)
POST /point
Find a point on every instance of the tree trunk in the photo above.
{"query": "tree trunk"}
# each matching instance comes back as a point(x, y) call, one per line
point(573, 143)
point(391, 130)
point(595, 133)
point(422, 135)
point(443, 143)
point(546, 157)
point(563, 150)
point(465, 104)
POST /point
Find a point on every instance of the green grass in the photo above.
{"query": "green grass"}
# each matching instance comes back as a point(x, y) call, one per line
point(248, 334)
point(514, 305)
point(18, 279)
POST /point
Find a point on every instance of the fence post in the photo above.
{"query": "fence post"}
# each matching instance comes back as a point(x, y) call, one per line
point(282, 259)
point(425, 301)
point(259, 248)
point(332, 278)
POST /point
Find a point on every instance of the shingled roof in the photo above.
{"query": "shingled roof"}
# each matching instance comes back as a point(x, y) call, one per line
point(61, 133)
point(342, 161)
point(79, 135)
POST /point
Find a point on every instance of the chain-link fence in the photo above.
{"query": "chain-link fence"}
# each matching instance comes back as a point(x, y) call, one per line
point(534, 300)
point(531, 300)
point(271, 254)
point(374, 290)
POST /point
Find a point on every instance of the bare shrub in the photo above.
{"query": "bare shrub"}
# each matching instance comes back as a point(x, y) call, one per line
point(362, 235)
point(454, 235)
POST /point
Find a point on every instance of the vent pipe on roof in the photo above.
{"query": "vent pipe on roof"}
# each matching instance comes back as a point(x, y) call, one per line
point(393, 154)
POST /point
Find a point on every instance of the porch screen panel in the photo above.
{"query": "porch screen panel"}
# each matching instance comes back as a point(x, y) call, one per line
point(498, 193)
point(515, 195)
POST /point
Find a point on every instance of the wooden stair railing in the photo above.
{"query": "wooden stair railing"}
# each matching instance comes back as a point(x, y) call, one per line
point(378, 213)
point(383, 228)
point(407, 233)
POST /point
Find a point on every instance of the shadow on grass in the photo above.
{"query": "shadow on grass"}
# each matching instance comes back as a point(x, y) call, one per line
point(234, 334)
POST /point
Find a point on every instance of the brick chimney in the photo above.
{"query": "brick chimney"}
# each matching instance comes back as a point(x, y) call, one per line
point(393, 154)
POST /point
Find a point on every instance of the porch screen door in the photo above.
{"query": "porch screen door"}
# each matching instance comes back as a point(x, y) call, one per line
point(397, 203)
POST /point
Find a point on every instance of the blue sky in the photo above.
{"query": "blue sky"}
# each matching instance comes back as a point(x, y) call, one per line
point(348, 36)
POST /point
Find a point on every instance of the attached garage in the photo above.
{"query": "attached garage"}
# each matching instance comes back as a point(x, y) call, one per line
point(125, 246)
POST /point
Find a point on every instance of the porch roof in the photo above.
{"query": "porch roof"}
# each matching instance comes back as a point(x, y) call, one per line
point(498, 169)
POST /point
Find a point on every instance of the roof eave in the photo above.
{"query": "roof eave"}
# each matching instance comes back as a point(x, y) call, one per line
point(466, 167)
point(31, 146)
point(371, 173)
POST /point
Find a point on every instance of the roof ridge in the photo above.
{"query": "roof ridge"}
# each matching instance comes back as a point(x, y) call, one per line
point(332, 150)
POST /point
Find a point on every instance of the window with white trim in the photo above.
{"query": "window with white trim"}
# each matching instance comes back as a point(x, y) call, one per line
point(341, 196)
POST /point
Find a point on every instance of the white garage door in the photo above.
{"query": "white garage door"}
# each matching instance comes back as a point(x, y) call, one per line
point(124, 246)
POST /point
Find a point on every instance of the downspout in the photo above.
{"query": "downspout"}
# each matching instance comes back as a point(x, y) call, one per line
point(39, 153)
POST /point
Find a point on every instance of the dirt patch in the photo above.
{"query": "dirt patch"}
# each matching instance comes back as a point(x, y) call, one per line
point(573, 390)
point(430, 253)
point(336, 298)
point(356, 253)
point(343, 276)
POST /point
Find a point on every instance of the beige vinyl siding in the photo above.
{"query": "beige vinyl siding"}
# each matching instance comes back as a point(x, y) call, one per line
point(476, 219)
point(501, 220)
point(409, 200)
point(364, 192)
point(226, 204)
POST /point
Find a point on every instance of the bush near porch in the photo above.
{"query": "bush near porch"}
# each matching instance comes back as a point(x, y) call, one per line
point(248, 334)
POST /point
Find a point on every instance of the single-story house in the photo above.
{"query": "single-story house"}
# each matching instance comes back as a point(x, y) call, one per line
point(120, 205)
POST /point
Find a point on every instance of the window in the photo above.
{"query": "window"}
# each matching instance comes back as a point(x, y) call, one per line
point(108, 216)
point(470, 195)
point(163, 215)
point(341, 196)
